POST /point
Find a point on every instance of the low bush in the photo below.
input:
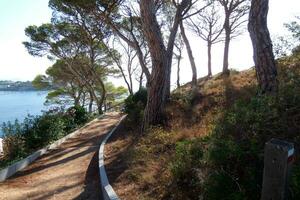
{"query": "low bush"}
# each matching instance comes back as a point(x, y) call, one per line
point(228, 163)
point(135, 105)
point(42, 130)
point(21, 139)
point(74, 116)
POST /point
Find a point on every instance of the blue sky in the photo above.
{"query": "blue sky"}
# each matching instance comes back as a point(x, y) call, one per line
point(17, 64)
point(15, 16)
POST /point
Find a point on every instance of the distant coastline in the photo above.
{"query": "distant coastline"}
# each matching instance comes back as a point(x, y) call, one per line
point(19, 104)
point(17, 86)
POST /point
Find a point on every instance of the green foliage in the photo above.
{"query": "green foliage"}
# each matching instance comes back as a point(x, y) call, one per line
point(230, 161)
point(20, 139)
point(188, 155)
point(40, 131)
point(40, 82)
point(295, 183)
point(207, 167)
point(294, 28)
point(115, 95)
point(135, 105)
point(78, 114)
point(14, 145)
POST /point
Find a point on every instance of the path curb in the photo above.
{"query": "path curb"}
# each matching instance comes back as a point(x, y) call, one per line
point(107, 190)
point(14, 168)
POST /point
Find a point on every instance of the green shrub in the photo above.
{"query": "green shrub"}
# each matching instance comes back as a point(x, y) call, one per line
point(295, 183)
point(188, 158)
point(231, 165)
point(189, 154)
point(74, 117)
point(233, 152)
point(79, 114)
point(135, 105)
point(14, 145)
point(42, 130)
point(21, 139)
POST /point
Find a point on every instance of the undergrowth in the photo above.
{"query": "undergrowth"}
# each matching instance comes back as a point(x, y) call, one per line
point(228, 163)
point(23, 138)
point(214, 149)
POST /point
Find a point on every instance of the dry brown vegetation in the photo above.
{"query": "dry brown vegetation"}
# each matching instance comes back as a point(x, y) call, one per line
point(139, 167)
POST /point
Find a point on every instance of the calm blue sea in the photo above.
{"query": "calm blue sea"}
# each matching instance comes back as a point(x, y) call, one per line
point(17, 105)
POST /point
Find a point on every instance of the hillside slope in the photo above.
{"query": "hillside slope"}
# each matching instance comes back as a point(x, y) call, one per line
point(212, 146)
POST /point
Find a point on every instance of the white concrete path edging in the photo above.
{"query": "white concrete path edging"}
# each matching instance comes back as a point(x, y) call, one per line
point(14, 168)
point(107, 191)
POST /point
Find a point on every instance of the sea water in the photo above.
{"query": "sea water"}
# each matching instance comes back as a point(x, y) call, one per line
point(17, 105)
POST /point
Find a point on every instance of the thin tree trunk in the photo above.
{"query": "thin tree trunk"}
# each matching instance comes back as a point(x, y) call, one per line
point(129, 84)
point(83, 99)
point(226, 45)
point(190, 54)
point(91, 102)
point(77, 100)
point(265, 65)
point(103, 96)
point(209, 59)
point(141, 80)
point(178, 70)
point(105, 105)
point(226, 55)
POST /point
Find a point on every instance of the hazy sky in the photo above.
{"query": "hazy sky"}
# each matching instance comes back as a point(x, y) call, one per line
point(17, 64)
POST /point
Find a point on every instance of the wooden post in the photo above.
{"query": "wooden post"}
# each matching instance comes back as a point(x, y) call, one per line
point(278, 158)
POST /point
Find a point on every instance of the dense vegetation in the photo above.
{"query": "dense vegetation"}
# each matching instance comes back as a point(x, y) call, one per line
point(214, 148)
point(35, 132)
point(134, 106)
point(228, 163)
point(205, 140)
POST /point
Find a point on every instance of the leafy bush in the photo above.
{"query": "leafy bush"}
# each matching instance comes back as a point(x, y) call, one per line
point(20, 139)
point(40, 131)
point(135, 105)
point(14, 145)
point(230, 161)
point(206, 168)
point(79, 113)
point(188, 155)
point(76, 115)
point(188, 158)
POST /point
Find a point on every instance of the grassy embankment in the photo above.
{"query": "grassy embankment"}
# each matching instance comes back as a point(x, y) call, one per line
point(211, 147)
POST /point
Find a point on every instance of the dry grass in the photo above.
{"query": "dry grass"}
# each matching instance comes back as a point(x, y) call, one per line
point(146, 160)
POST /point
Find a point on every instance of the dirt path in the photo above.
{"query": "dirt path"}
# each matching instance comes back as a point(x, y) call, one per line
point(68, 172)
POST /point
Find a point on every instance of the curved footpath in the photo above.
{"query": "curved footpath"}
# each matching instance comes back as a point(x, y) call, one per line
point(67, 172)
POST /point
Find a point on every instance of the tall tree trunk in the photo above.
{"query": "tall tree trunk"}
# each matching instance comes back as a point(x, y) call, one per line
point(129, 84)
point(102, 98)
point(141, 80)
point(226, 46)
point(83, 99)
point(105, 105)
point(190, 54)
point(178, 70)
point(77, 98)
point(91, 102)
point(161, 56)
point(209, 59)
point(157, 84)
point(265, 65)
